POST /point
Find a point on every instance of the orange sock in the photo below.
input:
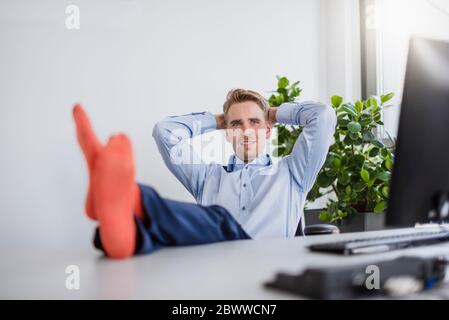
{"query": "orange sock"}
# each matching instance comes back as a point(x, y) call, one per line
point(114, 197)
point(91, 146)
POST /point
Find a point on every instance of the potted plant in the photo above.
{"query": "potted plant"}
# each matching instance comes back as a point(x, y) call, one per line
point(357, 169)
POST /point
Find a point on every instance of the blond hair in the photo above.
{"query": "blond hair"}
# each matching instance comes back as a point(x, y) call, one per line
point(242, 95)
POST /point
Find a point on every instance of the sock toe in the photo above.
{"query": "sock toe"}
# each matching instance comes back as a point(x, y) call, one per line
point(90, 146)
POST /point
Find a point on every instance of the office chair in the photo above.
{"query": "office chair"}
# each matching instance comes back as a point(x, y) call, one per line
point(316, 229)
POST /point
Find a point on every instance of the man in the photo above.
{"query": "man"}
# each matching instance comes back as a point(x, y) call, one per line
point(249, 198)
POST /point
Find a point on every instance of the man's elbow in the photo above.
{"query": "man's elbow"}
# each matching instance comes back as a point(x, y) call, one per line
point(326, 116)
point(168, 132)
point(158, 130)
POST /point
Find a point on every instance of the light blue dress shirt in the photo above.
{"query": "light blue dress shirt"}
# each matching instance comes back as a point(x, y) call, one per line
point(266, 198)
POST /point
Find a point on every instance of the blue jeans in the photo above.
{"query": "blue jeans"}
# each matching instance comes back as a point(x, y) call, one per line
point(174, 223)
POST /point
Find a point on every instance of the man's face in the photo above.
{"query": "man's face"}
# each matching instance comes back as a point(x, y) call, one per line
point(247, 129)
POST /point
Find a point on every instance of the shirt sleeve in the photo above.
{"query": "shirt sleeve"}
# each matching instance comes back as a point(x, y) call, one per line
point(311, 147)
point(171, 135)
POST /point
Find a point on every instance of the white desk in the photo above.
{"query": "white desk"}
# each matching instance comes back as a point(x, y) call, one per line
point(227, 270)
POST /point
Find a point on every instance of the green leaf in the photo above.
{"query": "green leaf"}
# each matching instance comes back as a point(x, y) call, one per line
point(385, 153)
point(279, 99)
point(377, 143)
point(314, 193)
point(380, 207)
point(384, 176)
point(359, 186)
point(294, 84)
point(358, 106)
point(358, 160)
point(343, 178)
point(354, 136)
point(282, 91)
point(283, 82)
point(387, 97)
point(328, 161)
point(388, 163)
point(295, 92)
point(343, 122)
point(336, 101)
point(374, 152)
point(365, 175)
point(366, 121)
point(323, 180)
point(344, 160)
point(368, 136)
point(349, 109)
point(368, 103)
point(336, 162)
point(354, 127)
point(272, 101)
point(385, 191)
point(373, 102)
point(348, 189)
point(325, 216)
point(332, 172)
point(347, 140)
point(341, 214)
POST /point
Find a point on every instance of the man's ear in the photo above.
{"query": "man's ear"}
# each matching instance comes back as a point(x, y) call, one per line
point(228, 138)
point(268, 132)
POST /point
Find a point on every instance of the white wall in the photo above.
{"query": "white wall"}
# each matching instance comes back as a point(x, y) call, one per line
point(399, 19)
point(130, 64)
point(342, 54)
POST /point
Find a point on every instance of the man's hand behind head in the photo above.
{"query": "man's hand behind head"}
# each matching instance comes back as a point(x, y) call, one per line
point(221, 123)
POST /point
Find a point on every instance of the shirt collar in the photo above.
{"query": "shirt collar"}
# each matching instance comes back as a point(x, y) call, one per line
point(236, 163)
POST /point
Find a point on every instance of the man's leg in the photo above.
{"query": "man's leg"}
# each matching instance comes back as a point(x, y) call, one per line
point(174, 223)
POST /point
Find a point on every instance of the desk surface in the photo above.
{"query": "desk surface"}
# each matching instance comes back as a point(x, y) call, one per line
point(227, 270)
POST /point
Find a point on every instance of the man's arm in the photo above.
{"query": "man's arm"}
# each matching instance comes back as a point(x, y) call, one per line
point(311, 147)
point(171, 136)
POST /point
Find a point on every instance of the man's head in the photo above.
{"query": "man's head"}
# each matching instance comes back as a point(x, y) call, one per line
point(247, 128)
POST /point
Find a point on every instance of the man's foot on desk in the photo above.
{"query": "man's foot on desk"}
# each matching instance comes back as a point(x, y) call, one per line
point(113, 196)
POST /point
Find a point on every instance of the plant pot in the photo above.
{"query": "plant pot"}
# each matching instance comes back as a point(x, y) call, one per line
point(365, 221)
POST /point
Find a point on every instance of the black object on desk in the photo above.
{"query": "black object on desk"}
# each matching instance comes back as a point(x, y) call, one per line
point(354, 281)
point(316, 229)
point(382, 243)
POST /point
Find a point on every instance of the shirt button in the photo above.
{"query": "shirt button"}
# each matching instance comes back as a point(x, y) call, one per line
point(244, 185)
point(246, 168)
point(243, 208)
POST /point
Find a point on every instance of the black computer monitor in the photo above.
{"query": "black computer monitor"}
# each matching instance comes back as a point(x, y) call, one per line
point(419, 190)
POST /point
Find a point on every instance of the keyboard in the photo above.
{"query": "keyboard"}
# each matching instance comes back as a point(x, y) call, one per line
point(382, 243)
